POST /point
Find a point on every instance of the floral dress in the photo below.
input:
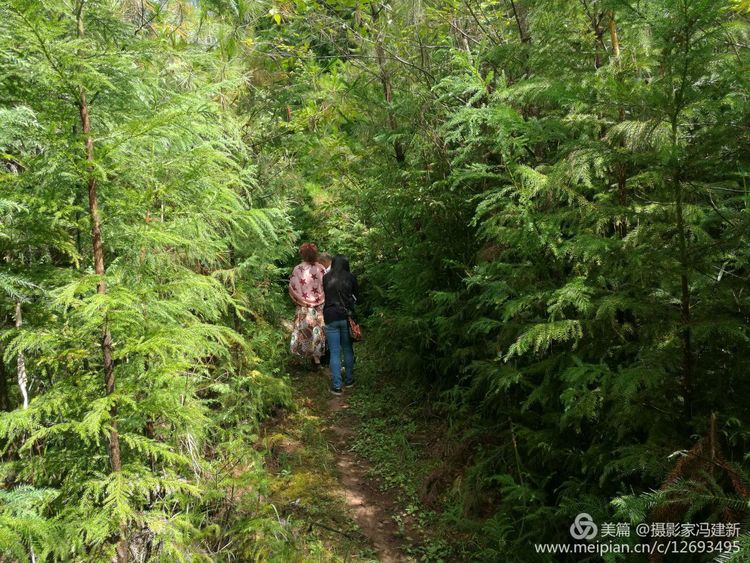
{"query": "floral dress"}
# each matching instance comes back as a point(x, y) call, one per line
point(308, 332)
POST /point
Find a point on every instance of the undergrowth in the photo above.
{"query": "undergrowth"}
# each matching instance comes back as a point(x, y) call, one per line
point(406, 444)
point(303, 485)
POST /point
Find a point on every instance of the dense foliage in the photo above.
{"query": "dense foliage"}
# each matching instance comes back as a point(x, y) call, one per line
point(545, 200)
point(144, 380)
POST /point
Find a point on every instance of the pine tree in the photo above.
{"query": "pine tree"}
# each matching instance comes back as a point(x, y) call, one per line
point(123, 148)
point(560, 248)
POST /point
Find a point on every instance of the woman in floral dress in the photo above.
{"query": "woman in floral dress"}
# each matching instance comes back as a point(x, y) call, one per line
point(306, 290)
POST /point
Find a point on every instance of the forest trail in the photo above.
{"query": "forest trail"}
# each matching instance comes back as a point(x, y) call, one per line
point(370, 508)
point(312, 445)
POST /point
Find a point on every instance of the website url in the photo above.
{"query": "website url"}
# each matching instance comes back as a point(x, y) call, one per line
point(663, 547)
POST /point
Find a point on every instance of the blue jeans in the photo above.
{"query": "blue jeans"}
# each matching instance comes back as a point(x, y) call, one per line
point(337, 334)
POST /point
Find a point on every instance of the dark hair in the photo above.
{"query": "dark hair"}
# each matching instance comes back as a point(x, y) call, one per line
point(309, 252)
point(340, 263)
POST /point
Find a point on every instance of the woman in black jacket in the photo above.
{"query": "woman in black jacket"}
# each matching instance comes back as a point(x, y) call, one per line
point(340, 288)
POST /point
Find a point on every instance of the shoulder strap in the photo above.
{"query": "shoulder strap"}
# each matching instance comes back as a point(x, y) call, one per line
point(344, 302)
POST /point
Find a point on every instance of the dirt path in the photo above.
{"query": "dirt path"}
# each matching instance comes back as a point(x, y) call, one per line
point(372, 509)
point(321, 481)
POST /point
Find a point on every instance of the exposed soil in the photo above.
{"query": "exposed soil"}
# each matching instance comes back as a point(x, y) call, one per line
point(364, 503)
point(371, 508)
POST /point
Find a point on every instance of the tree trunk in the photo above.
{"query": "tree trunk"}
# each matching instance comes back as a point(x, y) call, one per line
point(22, 378)
point(106, 340)
point(520, 13)
point(596, 26)
point(4, 394)
point(460, 36)
point(619, 166)
point(98, 256)
point(385, 80)
point(613, 34)
point(687, 347)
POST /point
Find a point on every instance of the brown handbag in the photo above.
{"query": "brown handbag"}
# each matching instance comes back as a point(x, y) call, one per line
point(355, 331)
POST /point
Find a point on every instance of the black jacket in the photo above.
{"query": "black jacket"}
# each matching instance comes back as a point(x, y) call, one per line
point(341, 290)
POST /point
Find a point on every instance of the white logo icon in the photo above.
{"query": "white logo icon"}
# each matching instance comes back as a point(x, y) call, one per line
point(583, 527)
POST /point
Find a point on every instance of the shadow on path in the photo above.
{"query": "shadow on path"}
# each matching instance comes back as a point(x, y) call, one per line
point(371, 508)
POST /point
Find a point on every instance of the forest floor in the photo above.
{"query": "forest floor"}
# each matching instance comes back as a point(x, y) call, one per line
point(344, 470)
point(371, 508)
